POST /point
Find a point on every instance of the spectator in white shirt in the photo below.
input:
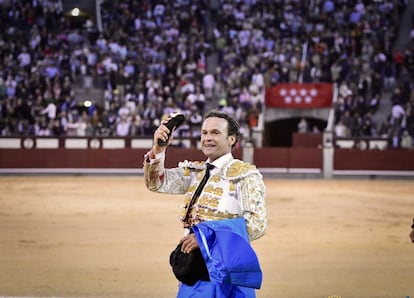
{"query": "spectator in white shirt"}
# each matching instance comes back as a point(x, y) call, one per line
point(122, 128)
point(24, 58)
point(397, 115)
point(208, 84)
point(50, 111)
point(341, 131)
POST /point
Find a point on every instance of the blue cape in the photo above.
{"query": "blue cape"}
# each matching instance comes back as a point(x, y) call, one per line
point(232, 264)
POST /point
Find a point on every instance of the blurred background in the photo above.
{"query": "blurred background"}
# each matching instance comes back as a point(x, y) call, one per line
point(318, 86)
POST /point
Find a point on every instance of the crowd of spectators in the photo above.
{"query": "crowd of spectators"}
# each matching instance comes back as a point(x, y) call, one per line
point(375, 73)
point(155, 57)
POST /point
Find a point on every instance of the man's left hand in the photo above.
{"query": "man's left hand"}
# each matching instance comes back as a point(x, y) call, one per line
point(189, 243)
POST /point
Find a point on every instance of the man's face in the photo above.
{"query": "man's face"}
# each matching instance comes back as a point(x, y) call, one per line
point(214, 139)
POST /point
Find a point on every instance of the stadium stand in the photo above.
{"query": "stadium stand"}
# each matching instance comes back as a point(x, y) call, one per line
point(62, 78)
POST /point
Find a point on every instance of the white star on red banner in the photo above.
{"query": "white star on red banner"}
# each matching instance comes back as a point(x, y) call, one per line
point(300, 95)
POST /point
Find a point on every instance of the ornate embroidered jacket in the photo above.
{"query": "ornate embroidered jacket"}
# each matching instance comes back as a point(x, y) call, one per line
point(235, 189)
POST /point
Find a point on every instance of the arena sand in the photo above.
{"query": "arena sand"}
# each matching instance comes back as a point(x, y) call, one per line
point(107, 236)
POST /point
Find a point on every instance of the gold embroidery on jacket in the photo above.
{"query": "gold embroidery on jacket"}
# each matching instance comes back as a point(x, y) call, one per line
point(208, 202)
point(220, 186)
point(215, 179)
point(218, 191)
point(232, 187)
point(207, 213)
point(238, 169)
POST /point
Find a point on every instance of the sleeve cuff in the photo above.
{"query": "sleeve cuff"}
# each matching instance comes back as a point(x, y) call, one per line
point(151, 158)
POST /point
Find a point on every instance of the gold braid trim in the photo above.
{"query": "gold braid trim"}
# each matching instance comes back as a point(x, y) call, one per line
point(238, 169)
point(191, 165)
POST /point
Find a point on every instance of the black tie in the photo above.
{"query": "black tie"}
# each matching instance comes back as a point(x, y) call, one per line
point(200, 187)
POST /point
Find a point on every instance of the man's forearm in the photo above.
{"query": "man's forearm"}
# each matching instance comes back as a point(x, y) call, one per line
point(253, 204)
point(154, 172)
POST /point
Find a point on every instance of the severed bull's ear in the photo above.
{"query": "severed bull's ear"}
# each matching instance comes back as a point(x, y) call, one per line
point(175, 120)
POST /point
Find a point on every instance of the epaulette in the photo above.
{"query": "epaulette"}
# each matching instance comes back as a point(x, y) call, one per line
point(191, 165)
point(238, 169)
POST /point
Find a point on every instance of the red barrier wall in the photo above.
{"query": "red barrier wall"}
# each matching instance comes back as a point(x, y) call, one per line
point(306, 139)
point(91, 158)
point(379, 160)
point(301, 157)
point(73, 158)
